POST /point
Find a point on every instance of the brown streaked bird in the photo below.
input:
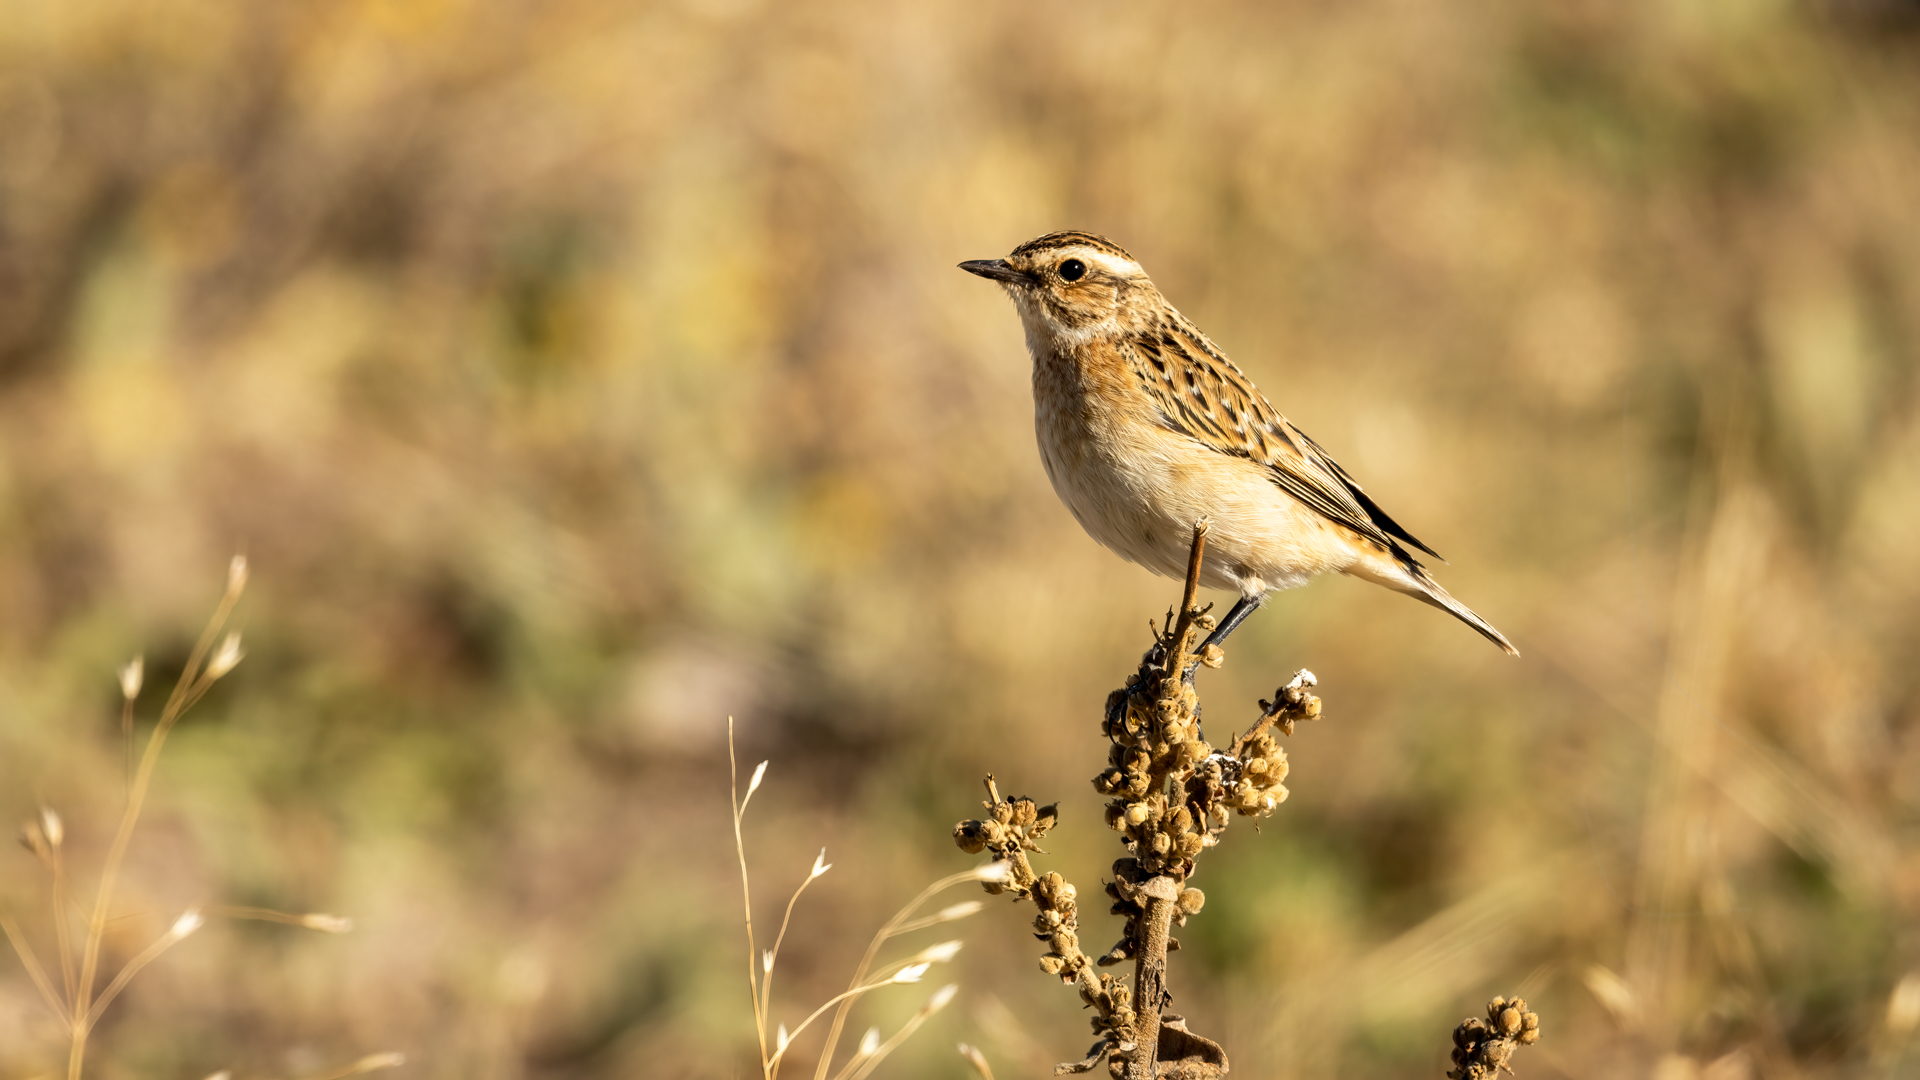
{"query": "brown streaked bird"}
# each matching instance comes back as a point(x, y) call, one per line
point(1146, 427)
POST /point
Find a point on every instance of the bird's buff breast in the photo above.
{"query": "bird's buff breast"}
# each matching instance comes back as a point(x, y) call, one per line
point(1138, 488)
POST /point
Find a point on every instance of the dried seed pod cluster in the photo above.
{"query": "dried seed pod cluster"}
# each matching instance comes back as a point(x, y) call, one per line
point(1481, 1048)
point(1011, 828)
point(1058, 925)
point(1170, 796)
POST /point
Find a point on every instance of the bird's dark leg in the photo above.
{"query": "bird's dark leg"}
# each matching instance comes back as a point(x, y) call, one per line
point(1236, 615)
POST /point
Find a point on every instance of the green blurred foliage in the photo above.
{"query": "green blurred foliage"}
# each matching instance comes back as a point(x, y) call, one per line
point(578, 374)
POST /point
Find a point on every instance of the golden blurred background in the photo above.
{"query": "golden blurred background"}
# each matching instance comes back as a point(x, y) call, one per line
point(575, 375)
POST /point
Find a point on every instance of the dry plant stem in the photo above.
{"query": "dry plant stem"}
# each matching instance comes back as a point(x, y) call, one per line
point(746, 898)
point(126, 738)
point(766, 972)
point(1187, 612)
point(259, 914)
point(120, 981)
point(1150, 956)
point(370, 1063)
point(62, 934)
point(864, 1068)
point(879, 1054)
point(899, 924)
point(1150, 975)
point(186, 691)
point(32, 963)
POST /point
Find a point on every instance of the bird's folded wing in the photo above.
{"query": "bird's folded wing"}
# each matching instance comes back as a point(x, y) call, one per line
point(1201, 394)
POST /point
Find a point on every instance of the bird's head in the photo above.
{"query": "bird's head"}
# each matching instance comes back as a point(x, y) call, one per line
point(1069, 286)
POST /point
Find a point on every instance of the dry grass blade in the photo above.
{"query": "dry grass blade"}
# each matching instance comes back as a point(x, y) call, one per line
point(32, 963)
point(977, 1060)
point(746, 892)
point(367, 1064)
point(820, 866)
point(901, 922)
point(186, 690)
point(182, 927)
point(865, 1067)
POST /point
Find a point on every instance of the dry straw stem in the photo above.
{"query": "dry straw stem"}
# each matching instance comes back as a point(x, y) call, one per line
point(1171, 797)
point(75, 1002)
point(367, 1064)
point(977, 1060)
point(1482, 1048)
point(761, 965)
point(193, 684)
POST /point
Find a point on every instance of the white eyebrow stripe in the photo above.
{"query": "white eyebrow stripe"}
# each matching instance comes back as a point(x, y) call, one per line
point(1112, 264)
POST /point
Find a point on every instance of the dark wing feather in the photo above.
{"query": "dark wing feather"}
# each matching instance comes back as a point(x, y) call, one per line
point(1199, 393)
point(1372, 508)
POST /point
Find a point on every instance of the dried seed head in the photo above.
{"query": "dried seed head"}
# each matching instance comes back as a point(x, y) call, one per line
point(976, 1059)
point(226, 657)
point(958, 911)
point(939, 954)
point(911, 973)
point(237, 574)
point(187, 923)
point(51, 826)
point(327, 924)
point(1509, 1021)
point(1192, 900)
point(820, 865)
point(132, 673)
point(993, 871)
point(940, 999)
point(869, 1043)
point(971, 837)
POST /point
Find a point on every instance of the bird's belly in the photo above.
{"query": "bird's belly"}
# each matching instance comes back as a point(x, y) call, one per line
point(1139, 491)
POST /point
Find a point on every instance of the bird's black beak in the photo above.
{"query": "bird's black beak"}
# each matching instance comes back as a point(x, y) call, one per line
point(996, 270)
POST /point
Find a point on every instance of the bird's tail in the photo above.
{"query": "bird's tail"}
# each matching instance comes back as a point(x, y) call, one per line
point(1407, 576)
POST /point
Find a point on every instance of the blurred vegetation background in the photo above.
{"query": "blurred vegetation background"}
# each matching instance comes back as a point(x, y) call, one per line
point(577, 374)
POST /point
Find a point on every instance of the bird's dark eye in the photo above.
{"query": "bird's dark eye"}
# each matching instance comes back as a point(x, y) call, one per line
point(1072, 270)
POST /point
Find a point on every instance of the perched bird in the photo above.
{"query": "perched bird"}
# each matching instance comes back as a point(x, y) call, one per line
point(1146, 428)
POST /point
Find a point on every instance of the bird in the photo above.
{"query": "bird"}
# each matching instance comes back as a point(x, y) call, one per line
point(1146, 429)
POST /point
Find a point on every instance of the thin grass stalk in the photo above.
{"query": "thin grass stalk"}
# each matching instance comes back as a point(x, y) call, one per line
point(891, 928)
point(932, 920)
point(766, 973)
point(367, 1064)
point(177, 703)
point(147, 956)
point(32, 963)
point(126, 741)
point(331, 924)
point(62, 933)
point(842, 997)
point(746, 900)
point(865, 1068)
